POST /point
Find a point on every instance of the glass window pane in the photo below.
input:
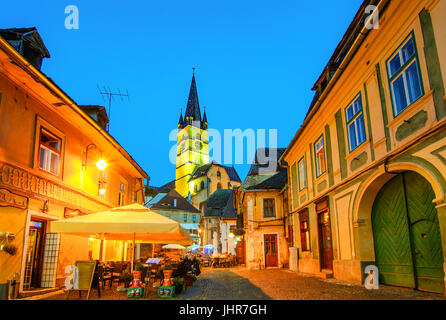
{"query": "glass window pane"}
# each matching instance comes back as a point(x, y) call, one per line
point(352, 136)
point(399, 95)
point(54, 163)
point(42, 157)
point(349, 113)
point(360, 128)
point(408, 50)
point(357, 105)
point(394, 65)
point(413, 82)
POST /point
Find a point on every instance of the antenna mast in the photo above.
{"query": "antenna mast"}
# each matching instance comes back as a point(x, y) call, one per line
point(108, 97)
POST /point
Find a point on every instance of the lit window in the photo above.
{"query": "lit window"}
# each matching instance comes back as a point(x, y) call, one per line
point(268, 208)
point(49, 152)
point(185, 217)
point(404, 76)
point(194, 218)
point(319, 149)
point(302, 175)
point(304, 231)
point(355, 124)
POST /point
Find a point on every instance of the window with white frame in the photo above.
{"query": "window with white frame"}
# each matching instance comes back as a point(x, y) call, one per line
point(302, 174)
point(185, 217)
point(49, 152)
point(319, 154)
point(404, 76)
point(354, 117)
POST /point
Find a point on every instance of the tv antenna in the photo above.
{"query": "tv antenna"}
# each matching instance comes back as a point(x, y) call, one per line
point(108, 96)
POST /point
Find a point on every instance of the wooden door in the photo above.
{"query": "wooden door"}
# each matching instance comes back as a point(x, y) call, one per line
point(325, 243)
point(34, 255)
point(240, 252)
point(271, 252)
point(407, 234)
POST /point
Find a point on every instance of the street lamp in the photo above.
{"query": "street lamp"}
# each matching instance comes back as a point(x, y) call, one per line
point(101, 164)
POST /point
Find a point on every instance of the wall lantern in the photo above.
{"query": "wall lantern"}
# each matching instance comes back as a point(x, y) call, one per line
point(231, 235)
point(102, 188)
point(101, 164)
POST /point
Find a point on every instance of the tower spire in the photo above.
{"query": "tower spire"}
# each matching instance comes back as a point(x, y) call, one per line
point(181, 122)
point(193, 113)
point(204, 122)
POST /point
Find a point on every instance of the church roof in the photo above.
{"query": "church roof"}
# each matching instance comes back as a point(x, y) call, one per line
point(203, 170)
point(181, 204)
point(193, 106)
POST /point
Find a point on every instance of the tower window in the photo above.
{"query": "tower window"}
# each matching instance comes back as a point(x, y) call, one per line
point(219, 186)
point(202, 185)
point(218, 174)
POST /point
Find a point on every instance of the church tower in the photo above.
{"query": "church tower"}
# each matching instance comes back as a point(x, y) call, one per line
point(192, 142)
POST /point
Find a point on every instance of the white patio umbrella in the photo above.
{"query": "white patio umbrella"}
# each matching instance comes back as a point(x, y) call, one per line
point(174, 246)
point(131, 222)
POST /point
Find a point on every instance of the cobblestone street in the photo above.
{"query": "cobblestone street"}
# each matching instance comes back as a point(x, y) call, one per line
point(214, 284)
point(279, 284)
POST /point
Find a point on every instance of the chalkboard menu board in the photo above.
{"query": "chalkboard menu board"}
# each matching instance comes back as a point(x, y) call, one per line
point(85, 275)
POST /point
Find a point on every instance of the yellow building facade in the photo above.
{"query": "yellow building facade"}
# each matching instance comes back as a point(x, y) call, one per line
point(49, 151)
point(261, 204)
point(367, 170)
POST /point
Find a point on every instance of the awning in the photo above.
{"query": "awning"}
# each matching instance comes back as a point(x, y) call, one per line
point(131, 222)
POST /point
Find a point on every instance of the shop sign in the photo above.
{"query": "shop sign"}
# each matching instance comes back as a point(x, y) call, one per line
point(9, 199)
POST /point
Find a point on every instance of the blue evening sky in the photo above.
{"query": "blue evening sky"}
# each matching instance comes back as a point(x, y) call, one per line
point(256, 62)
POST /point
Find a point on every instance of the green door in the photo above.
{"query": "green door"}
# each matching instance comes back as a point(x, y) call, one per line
point(407, 235)
point(425, 233)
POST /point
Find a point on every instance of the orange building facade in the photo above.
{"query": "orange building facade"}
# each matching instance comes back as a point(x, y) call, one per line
point(49, 148)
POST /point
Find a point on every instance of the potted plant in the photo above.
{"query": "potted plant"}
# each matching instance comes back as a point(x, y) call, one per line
point(179, 284)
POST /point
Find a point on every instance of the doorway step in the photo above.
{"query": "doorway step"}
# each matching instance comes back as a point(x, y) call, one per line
point(325, 274)
point(37, 294)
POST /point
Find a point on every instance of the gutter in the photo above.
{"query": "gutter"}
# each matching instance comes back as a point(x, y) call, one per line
point(354, 48)
point(40, 77)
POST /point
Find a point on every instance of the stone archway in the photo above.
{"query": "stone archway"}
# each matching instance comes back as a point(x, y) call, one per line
point(367, 195)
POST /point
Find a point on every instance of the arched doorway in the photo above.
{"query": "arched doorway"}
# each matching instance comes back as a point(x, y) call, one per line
point(406, 234)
